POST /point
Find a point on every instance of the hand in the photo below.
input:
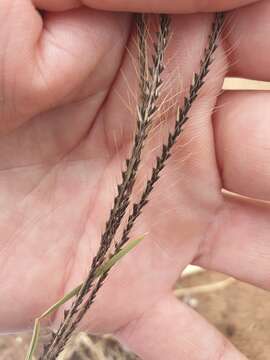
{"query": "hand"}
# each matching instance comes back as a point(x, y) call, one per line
point(65, 82)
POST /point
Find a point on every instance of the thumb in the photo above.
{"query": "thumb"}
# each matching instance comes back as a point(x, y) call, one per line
point(170, 330)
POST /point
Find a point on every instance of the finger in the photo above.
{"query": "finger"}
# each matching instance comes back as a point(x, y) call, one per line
point(61, 55)
point(246, 34)
point(170, 330)
point(238, 242)
point(57, 5)
point(242, 138)
point(172, 6)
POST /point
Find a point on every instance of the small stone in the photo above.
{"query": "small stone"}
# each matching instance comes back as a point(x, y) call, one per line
point(19, 339)
point(191, 301)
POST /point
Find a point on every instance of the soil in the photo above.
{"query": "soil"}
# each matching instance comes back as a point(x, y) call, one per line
point(240, 311)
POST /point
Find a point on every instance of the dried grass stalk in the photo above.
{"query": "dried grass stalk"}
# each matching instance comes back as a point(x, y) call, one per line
point(150, 83)
point(150, 91)
point(182, 118)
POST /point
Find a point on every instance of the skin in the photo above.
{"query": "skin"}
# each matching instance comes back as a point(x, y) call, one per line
point(65, 130)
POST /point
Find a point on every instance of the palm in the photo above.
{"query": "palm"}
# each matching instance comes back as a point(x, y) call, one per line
point(61, 159)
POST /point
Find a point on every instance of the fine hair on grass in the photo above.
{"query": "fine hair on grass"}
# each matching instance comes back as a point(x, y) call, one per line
point(147, 107)
point(151, 68)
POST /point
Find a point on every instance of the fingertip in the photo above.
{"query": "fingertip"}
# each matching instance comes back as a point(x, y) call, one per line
point(248, 43)
point(242, 138)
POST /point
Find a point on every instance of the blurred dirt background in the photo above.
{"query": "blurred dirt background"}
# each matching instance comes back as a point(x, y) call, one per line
point(240, 311)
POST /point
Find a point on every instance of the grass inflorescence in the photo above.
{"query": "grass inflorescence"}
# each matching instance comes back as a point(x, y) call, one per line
point(147, 107)
point(150, 84)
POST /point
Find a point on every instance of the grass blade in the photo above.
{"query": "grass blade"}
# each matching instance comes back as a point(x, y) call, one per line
point(34, 340)
point(104, 268)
